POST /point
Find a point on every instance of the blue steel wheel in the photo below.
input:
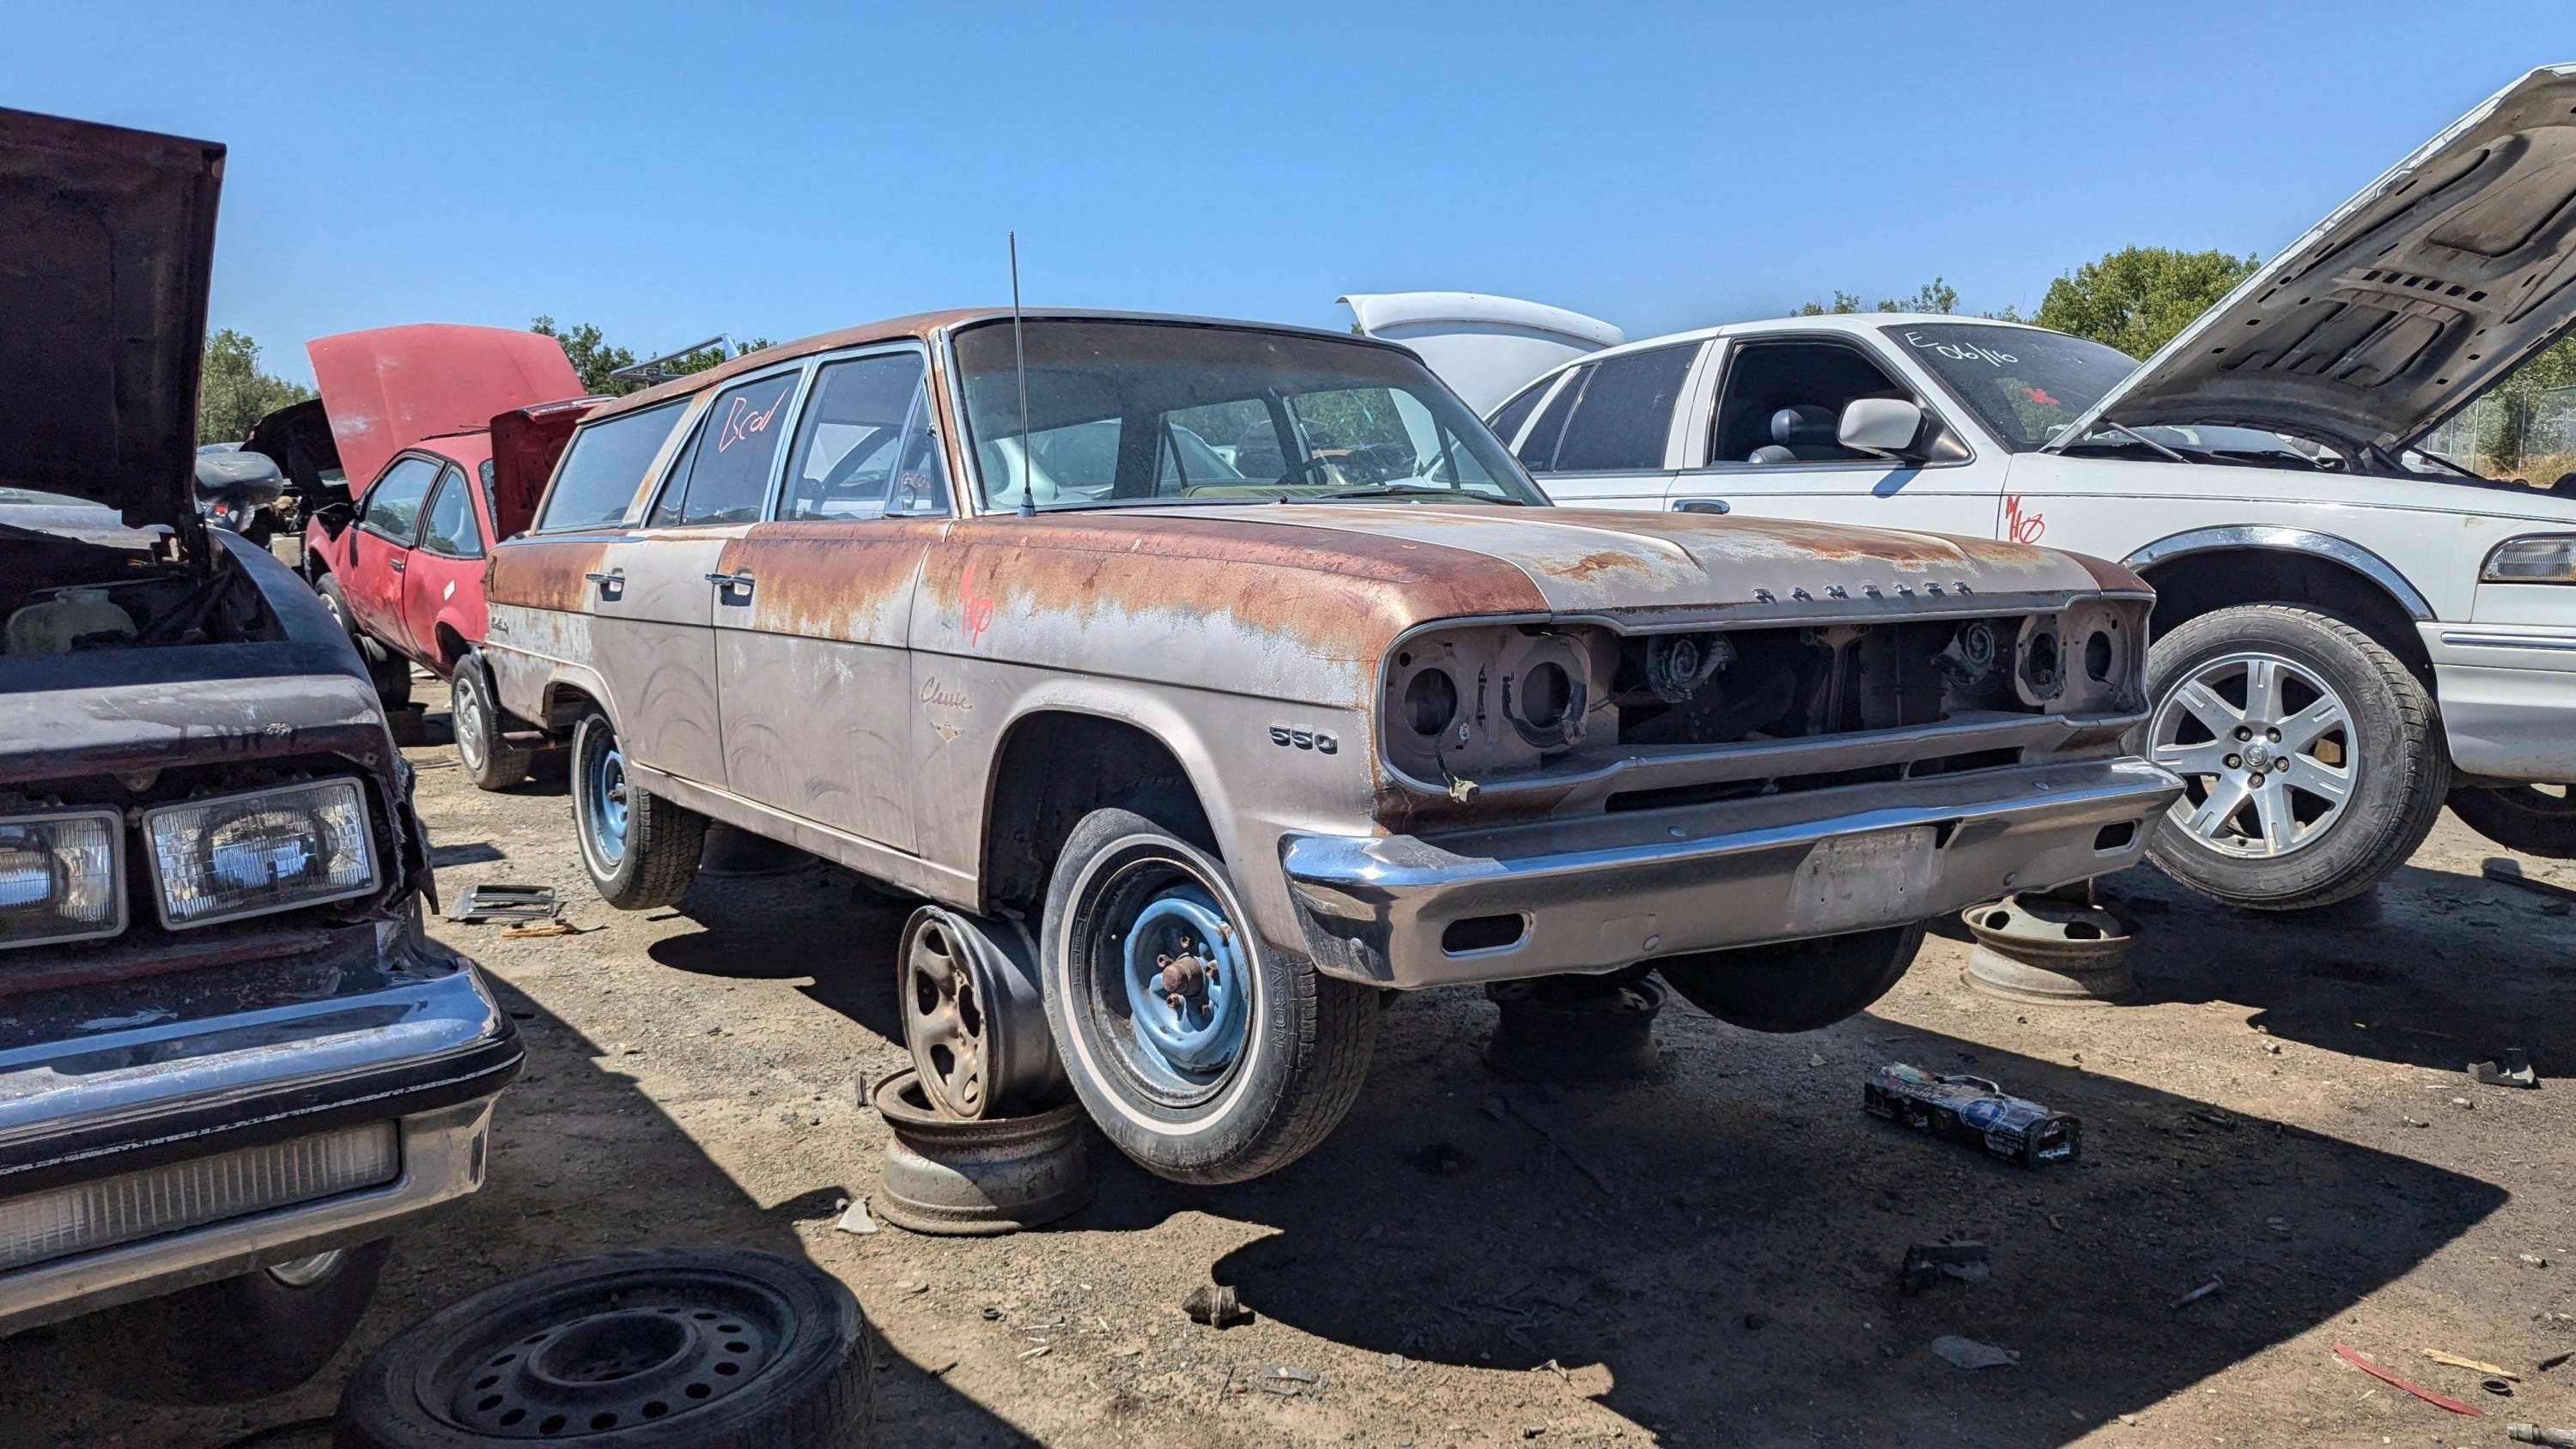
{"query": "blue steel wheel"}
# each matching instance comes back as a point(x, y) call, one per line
point(641, 851)
point(1205, 1052)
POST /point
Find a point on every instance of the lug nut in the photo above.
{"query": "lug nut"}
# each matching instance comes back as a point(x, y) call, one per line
point(2235, 762)
point(2243, 733)
point(2273, 735)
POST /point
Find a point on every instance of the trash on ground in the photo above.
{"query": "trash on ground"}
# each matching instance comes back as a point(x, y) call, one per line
point(1972, 1109)
point(2513, 1071)
point(2455, 1361)
point(1926, 1264)
point(2534, 1434)
point(856, 1220)
point(2385, 1377)
point(1215, 1305)
point(556, 927)
point(2556, 1360)
point(2496, 1386)
point(1967, 1353)
point(2204, 1290)
point(497, 902)
point(2532, 1260)
point(1288, 1379)
point(2504, 871)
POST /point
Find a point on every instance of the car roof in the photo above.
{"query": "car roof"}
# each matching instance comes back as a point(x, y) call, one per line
point(1856, 324)
point(924, 326)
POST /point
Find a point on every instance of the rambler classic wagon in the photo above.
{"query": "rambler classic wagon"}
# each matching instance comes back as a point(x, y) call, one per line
point(1215, 678)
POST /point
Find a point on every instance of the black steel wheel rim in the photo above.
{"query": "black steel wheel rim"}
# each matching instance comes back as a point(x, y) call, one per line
point(614, 1354)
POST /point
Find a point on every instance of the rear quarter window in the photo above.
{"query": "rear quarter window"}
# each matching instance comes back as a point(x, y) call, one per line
point(1626, 413)
point(603, 467)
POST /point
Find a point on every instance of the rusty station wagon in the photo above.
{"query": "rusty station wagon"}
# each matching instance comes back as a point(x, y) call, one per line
point(1213, 679)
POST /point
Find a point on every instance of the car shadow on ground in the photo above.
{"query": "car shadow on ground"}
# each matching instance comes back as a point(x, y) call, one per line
point(1718, 1246)
point(582, 1163)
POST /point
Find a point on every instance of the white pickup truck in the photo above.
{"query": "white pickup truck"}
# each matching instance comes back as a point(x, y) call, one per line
point(2347, 628)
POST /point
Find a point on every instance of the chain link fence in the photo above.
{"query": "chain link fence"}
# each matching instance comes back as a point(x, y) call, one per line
point(2509, 434)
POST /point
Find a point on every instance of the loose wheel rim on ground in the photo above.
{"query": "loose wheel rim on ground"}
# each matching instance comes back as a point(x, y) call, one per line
point(2261, 741)
point(1159, 917)
point(944, 1020)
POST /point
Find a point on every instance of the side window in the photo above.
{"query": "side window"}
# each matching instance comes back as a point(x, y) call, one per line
point(1508, 418)
point(1783, 402)
point(724, 478)
point(603, 466)
point(393, 505)
point(1626, 413)
point(1538, 451)
point(865, 447)
point(447, 526)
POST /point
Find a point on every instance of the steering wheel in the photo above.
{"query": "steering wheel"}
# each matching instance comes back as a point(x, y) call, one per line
point(1297, 470)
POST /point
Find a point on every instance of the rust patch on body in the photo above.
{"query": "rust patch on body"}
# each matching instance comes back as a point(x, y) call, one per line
point(544, 573)
point(1593, 563)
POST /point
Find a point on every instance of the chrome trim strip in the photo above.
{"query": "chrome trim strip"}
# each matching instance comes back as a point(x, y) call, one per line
point(2474, 639)
point(2291, 540)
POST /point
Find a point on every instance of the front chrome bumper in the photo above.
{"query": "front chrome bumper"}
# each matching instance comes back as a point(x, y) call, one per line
point(1605, 891)
point(423, 1047)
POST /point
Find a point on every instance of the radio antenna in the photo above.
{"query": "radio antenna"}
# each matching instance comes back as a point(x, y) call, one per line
point(1020, 365)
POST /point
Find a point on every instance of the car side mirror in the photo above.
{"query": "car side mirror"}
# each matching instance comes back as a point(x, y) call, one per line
point(1881, 425)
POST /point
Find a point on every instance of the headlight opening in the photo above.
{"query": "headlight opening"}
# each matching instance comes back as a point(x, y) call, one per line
point(61, 877)
point(271, 850)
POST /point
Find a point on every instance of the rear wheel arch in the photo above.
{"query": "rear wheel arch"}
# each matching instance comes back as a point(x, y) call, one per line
point(1054, 766)
point(2203, 572)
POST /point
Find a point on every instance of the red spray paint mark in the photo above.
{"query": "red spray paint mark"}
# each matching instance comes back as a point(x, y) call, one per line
point(2019, 526)
point(2040, 396)
point(741, 422)
point(975, 610)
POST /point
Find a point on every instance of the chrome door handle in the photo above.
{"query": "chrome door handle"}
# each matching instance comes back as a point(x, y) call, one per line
point(731, 582)
point(394, 562)
point(1700, 505)
point(611, 582)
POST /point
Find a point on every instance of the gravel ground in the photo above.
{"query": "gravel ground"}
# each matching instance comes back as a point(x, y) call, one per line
point(2284, 1110)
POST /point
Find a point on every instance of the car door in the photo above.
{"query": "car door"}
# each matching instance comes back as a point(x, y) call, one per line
point(1769, 445)
point(442, 581)
point(380, 548)
point(813, 672)
point(1605, 438)
point(657, 629)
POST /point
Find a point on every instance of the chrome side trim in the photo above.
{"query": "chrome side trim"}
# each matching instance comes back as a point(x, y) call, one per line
point(2287, 540)
point(2475, 639)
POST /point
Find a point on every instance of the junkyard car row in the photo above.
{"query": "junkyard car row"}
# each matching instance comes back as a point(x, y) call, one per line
point(1209, 680)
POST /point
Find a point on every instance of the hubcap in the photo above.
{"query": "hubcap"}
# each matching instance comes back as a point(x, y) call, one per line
point(305, 1272)
point(944, 1022)
point(2267, 754)
point(604, 793)
point(1187, 986)
point(468, 710)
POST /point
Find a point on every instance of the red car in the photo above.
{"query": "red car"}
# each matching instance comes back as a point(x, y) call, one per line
point(454, 430)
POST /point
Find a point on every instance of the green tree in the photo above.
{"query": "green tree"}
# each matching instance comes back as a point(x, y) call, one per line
point(2137, 298)
point(1935, 295)
point(595, 360)
point(232, 393)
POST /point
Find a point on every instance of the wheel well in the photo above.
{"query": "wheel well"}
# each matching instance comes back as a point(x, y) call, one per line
point(2203, 583)
point(1054, 769)
point(565, 704)
point(451, 647)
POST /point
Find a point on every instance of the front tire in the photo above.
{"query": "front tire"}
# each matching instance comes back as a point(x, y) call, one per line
point(2533, 819)
point(489, 761)
point(1795, 985)
point(641, 850)
point(388, 671)
point(2311, 757)
point(239, 1338)
point(1258, 1062)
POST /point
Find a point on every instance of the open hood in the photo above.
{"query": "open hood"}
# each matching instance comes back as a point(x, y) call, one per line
point(111, 239)
point(387, 388)
point(2402, 305)
point(1485, 347)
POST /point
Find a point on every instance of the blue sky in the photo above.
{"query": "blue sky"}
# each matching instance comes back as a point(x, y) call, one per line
point(670, 171)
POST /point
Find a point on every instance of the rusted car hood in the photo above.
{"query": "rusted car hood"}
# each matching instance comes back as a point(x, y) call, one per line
point(389, 387)
point(111, 238)
point(2401, 306)
point(1594, 560)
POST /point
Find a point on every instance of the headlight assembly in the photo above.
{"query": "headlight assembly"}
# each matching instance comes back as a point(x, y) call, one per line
point(245, 855)
point(2541, 559)
point(61, 877)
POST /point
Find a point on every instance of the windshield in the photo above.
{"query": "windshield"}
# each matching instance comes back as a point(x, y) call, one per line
point(2023, 383)
point(1123, 412)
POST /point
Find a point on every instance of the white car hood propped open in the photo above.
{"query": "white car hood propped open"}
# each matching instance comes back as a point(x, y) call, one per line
point(2403, 304)
point(1483, 346)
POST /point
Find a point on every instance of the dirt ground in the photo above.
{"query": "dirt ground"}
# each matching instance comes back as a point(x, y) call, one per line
point(2284, 1111)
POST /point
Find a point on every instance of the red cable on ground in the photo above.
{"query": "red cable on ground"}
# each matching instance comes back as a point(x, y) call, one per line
point(2384, 1376)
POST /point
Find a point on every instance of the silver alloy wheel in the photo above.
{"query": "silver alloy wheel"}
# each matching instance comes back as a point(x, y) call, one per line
point(465, 709)
point(2266, 750)
point(306, 1271)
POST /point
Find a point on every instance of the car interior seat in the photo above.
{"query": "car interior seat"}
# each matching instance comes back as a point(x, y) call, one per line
point(1799, 434)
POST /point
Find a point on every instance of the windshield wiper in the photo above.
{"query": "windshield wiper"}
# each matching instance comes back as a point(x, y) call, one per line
point(1403, 490)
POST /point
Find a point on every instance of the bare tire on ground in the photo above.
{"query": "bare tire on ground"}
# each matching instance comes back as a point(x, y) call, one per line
point(1795, 985)
point(388, 671)
point(2311, 757)
point(491, 762)
point(239, 1338)
point(641, 850)
point(659, 1347)
point(2533, 819)
point(1203, 1053)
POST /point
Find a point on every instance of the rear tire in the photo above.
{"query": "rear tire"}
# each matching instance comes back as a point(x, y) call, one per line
point(1264, 1059)
point(489, 761)
point(2356, 764)
point(641, 850)
point(1795, 985)
point(239, 1338)
point(2533, 819)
